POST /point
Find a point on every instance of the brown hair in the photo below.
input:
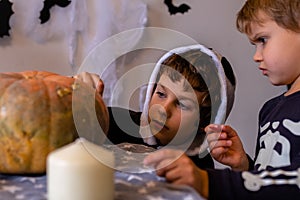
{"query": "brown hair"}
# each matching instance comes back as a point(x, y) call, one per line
point(286, 13)
point(200, 72)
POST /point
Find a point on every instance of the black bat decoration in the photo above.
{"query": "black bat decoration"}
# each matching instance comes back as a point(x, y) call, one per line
point(182, 8)
point(48, 4)
point(5, 14)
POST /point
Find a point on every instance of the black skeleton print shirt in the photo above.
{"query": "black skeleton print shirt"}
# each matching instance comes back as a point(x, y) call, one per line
point(276, 170)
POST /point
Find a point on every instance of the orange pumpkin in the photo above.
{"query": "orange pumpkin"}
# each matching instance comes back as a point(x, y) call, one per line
point(42, 111)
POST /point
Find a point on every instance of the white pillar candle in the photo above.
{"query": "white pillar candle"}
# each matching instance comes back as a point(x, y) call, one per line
point(80, 171)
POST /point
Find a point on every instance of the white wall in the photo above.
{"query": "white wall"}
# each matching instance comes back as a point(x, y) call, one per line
point(210, 22)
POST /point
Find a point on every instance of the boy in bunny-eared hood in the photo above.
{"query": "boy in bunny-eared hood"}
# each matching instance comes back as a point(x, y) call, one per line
point(189, 88)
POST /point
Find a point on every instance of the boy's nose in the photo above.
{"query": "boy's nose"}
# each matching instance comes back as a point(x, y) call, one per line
point(257, 57)
point(165, 109)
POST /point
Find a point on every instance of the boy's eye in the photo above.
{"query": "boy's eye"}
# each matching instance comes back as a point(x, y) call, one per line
point(185, 105)
point(261, 40)
point(160, 94)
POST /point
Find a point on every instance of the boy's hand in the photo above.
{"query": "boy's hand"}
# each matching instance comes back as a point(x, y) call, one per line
point(226, 147)
point(91, 79)
point(178, 169)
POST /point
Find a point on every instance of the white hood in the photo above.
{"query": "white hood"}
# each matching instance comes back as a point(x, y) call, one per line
point(227, 89)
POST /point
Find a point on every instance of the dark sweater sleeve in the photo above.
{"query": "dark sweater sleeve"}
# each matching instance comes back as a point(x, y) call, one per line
point(123, 126)
point(205, 162)
point(251, 163)
point(228, 184)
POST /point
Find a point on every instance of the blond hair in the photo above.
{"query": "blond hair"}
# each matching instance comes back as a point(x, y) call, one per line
point(286, 13)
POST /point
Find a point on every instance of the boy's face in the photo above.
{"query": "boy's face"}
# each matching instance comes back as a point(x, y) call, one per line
point(173, 111)
point(277, 51)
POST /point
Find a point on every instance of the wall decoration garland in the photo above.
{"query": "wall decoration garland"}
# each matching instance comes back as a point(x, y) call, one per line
point(48, 4)
point(78, 25)
point(182, 8)
point(5, 13)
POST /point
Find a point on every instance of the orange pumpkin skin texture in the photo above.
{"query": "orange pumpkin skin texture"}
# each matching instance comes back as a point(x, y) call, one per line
point(36, 117)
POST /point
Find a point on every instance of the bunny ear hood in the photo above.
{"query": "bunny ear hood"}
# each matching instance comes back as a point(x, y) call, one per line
point(227, 88)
